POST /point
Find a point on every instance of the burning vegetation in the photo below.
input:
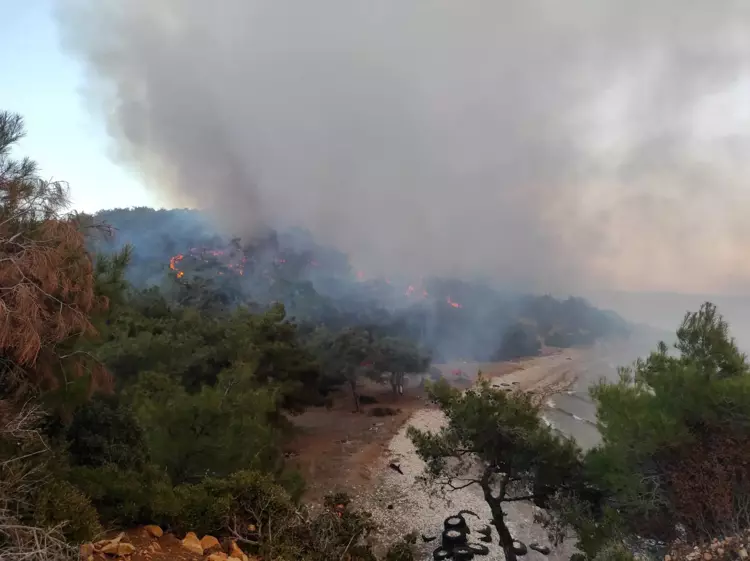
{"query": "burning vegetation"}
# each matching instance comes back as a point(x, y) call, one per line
point(235, 261)
point(452, 319)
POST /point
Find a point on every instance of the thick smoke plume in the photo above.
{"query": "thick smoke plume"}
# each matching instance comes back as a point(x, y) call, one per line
point(552, 145)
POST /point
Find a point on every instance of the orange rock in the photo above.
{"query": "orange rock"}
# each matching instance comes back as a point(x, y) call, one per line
point(87, 550)
point(209, 542)
point(218, 556)
point(125, 549)
point(235, 551)
point(233, 559)
point(109, 546)
point(192, 543)
point(116, 547)
point(154, 530)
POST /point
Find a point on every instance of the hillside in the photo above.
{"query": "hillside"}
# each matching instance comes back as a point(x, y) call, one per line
point(453, 319)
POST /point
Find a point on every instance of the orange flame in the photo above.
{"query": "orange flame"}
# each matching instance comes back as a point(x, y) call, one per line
point(360, 275)
point(174, 260)
point(452, 303)
point(200, 253)
point(411, 290)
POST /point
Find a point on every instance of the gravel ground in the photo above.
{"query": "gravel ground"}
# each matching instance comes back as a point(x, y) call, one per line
point(416, 508)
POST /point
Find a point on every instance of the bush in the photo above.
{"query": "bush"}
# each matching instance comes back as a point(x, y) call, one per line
point(200, 509)
point(245, 497)
point(335, 532)
point(675, 435)
point(128, 497)
point(614, 552)
point(214, 432)
point(61, 503)
point(105, 432)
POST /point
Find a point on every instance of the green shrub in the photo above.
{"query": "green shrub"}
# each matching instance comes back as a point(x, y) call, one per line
point(105, 432)
point(61, 503)
point(200, 509)
point(126, 497)
point(294, 484)
point(614, 552)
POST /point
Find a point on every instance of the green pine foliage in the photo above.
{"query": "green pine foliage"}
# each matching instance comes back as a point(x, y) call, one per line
point(676, 437)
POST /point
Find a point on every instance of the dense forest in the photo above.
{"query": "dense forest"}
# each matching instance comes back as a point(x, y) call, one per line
point(152, 381)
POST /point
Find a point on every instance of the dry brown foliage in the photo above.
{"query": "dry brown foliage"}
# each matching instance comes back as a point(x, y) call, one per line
point(46, 277)
point(18, 479)
point(710, 484)
point(46, 299)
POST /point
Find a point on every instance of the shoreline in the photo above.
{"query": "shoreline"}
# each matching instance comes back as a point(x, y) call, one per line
point(400, 503)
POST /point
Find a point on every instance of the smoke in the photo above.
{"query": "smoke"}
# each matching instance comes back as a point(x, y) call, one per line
point(550, 145)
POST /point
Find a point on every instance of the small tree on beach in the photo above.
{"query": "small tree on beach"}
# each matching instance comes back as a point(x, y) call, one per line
point(498, 441)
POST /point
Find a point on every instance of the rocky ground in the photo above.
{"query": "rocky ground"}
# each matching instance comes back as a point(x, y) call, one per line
point(150, 543)
point(732, 547)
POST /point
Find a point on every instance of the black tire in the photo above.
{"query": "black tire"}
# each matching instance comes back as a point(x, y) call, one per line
point(462, 512)
point(543, 549)
point(453, 538)
point(457, 522)
point(463, 553)
point(486, 531)
point(441, 554)
point(519, 548)
point(478, 548)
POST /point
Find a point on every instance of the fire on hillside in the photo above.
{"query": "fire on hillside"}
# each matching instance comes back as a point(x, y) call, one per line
point(235, 261)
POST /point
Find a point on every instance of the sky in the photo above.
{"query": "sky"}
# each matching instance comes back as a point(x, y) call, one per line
point(599, 146)
point(44, 84)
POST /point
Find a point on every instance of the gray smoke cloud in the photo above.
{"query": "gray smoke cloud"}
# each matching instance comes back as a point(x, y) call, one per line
point(560, 146)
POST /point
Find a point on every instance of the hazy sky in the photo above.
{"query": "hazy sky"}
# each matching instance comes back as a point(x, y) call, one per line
point(43, 84)
point(556, 146)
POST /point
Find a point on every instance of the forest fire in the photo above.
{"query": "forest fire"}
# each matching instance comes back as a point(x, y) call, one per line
point(235, 260)
point(452, 303)
point(173, 264)
point(411, 291)
point(202, 254)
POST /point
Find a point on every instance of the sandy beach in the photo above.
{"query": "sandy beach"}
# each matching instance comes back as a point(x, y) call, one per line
point(403, 504)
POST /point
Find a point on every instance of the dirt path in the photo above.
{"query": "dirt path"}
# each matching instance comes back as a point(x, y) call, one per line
point(336, 449)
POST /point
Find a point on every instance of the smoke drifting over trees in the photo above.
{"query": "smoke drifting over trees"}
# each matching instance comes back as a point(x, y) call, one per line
point(554, 146)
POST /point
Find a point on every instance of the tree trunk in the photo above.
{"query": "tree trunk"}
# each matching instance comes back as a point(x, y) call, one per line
point(506, 540)
point(397, 383)
point(355, 395)
point(498, 516)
